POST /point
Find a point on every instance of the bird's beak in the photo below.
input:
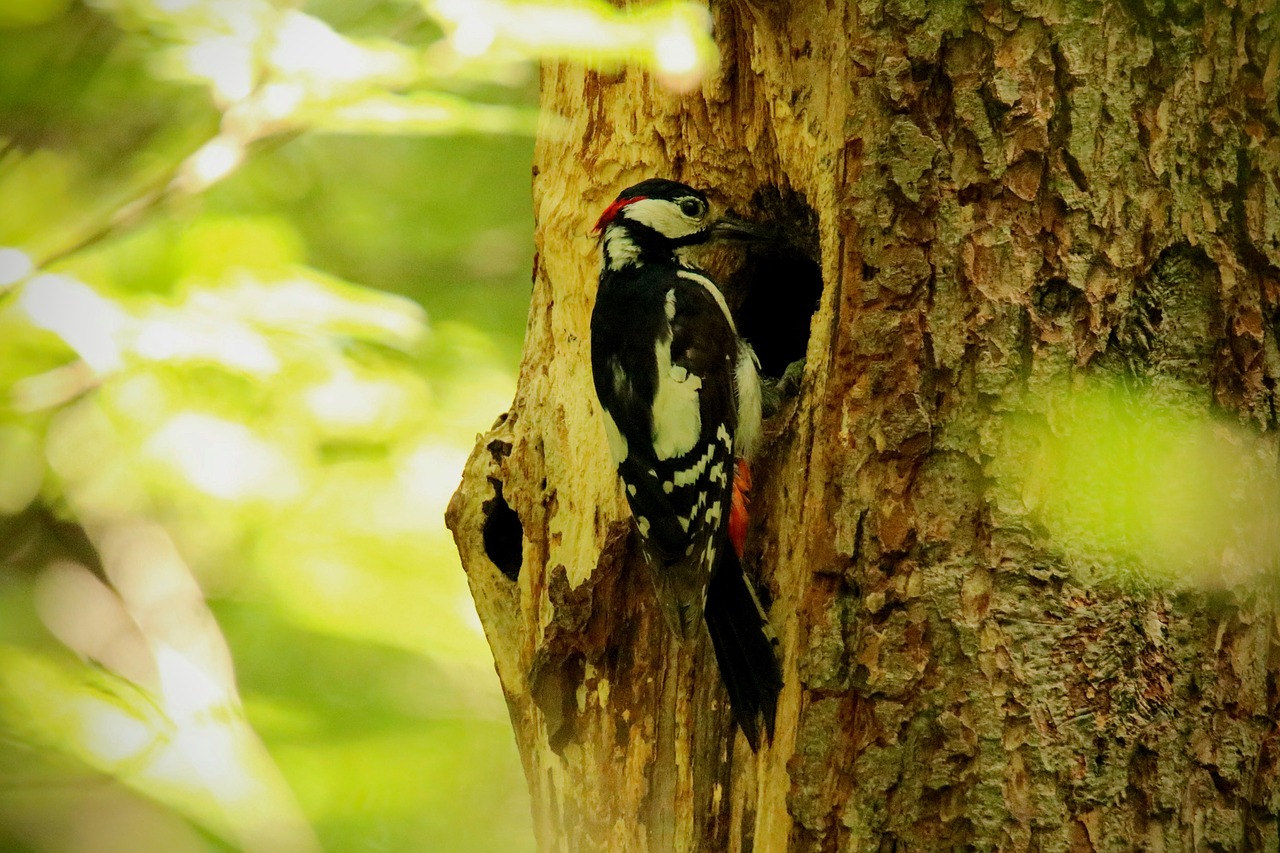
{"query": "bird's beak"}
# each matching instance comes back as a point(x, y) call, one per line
point(732, 228)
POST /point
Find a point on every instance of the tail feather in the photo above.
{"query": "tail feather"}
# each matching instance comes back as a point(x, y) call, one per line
point(744, 650)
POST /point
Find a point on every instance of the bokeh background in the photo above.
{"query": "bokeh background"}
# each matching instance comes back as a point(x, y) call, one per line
point(264, 270)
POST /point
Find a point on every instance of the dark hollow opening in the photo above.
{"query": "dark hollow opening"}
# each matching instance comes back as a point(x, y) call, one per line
point(503, 533)
point(778, 284)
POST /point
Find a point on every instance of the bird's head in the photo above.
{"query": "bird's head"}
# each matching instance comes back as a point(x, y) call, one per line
point(657, 217)
point(671, 211)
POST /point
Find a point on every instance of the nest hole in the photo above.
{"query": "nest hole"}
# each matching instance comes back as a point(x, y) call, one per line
point(503, 533)
point(779, 283)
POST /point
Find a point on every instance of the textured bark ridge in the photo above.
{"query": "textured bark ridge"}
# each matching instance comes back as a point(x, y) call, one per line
point(1003, 199)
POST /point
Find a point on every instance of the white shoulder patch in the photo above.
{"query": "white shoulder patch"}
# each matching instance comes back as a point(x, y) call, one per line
point(677, 409)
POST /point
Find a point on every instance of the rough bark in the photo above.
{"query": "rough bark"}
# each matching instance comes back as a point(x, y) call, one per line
point(1003, 198)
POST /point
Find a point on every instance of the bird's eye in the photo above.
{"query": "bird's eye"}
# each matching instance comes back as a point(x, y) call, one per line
point(691, 207)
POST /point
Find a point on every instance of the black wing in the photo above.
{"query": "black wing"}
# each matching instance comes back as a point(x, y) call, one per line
point(665, 378)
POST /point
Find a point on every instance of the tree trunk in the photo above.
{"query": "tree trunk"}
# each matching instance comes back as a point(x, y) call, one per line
point(1003, 199)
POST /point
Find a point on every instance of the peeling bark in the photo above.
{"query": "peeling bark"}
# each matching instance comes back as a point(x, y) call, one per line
point(1002, 198)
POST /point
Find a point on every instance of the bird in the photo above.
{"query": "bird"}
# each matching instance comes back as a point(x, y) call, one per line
point(680, 394)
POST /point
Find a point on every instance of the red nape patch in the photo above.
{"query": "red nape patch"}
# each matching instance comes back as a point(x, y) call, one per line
point(738, 509)
point(611, 212)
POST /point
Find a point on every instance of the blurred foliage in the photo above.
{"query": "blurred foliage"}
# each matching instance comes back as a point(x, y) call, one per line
point(1137, 486)
point(263, 277)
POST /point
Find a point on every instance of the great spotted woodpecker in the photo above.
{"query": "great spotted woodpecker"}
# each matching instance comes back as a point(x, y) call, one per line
point(682, 399)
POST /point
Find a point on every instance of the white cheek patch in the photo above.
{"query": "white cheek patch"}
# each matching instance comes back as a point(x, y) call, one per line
point(662, 216)
point(677, 410)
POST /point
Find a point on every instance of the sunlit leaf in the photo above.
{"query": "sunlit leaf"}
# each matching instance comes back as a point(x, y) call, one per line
point(15, 265)
point(212, 162)
point(224, 459)
point(419, 113)
point(211, 770)
point(671, 38)
point(23, 468)
point(311, 303)
point(225, 62)
point(87, 322)
point(100, 719)
point(359, 407)
point(1145, 490)
point(309, 51)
